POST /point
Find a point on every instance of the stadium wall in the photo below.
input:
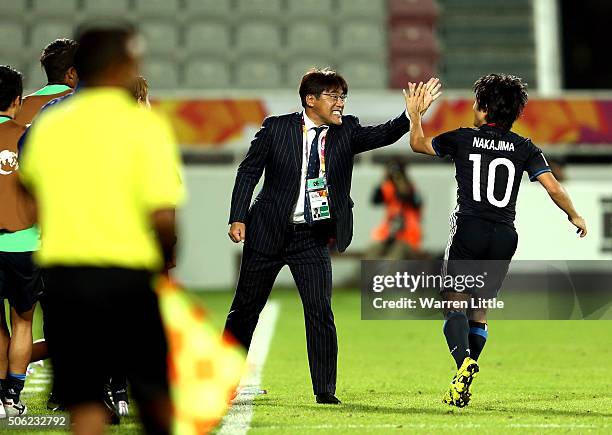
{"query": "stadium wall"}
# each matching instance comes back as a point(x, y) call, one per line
point(207, 258)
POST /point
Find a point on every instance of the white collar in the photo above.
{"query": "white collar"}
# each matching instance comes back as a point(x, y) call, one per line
point(309, 124)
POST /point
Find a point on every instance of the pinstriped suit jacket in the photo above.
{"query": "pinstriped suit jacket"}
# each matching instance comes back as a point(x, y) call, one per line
point(277, 149)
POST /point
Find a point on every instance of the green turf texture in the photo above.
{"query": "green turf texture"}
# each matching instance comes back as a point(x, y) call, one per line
point(536, 377)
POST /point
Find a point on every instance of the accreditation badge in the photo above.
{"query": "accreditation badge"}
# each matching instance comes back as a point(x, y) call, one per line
point(319, 198)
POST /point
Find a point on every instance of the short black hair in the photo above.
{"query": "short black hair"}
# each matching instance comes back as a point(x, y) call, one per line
point(316, 81)
point(57, 58)
point(101, 45)
point(502, 96)
point(11, 86)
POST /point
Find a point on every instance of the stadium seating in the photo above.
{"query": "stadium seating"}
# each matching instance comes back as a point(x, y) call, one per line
point(248, 10)
point(362, 9)
point(35, 77)
point(366, 34)
point(413, 39)
point(503, 32)
point(413, 11)
point(298, 66)
point(404, 70)
point(207, 74)
point(208, 37)
point(187, 37)
point(14, 9)
point(258, 38)
point(209, 9)
point(363, 38)
point(161, 37)
point(158, 8)
point(161, 73)
point(12, 38)
point(258, 73)
point(413, 46)
point(306, 38)
point(46, 31)
point(363, 74)
point(299, 10)
point(54, 8)
point(106, 7)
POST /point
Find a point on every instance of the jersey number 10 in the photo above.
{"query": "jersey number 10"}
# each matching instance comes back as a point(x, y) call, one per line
point(476, 159)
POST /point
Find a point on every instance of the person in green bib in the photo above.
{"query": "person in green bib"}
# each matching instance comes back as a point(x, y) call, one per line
point(20, 278)
point(57, 59)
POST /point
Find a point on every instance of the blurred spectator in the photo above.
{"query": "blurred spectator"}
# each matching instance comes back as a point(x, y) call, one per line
point(399, 235)
point(140, 91)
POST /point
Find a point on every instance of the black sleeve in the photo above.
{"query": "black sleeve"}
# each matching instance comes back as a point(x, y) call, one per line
point(249, 173)
point(445, 144)
point(372, 137)
point(536, 162)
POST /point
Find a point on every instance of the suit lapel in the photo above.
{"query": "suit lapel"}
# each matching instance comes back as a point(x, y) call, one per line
point(296, 141)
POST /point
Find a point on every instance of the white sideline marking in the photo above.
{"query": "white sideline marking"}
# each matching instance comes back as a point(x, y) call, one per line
point(238, 419)
point(37, 381)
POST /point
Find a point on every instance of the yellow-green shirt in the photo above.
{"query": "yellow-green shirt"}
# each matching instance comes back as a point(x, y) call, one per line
point(98, 166)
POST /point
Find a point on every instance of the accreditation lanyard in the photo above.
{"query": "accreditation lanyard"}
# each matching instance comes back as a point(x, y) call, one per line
point(307, 145)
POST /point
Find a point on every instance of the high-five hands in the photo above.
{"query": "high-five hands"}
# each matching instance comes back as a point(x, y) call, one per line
point(419, 97)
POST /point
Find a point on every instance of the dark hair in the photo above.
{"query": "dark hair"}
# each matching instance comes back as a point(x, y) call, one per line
point(100, 46)
point(316, 81)
point(57, 58)
point(11, 86)
point(502, 96)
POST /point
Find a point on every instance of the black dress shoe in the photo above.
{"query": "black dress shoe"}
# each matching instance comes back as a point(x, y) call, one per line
point(328, 398)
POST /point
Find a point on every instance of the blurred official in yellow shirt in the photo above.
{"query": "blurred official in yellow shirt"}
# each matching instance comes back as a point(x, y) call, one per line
point(104, 175)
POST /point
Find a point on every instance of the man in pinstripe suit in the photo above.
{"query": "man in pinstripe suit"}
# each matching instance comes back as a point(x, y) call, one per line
point(287, 226)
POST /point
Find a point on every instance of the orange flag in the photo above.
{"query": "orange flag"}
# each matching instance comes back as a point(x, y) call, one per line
point(204, 367)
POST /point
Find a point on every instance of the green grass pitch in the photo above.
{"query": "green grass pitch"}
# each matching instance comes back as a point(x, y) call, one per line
point(536, 377)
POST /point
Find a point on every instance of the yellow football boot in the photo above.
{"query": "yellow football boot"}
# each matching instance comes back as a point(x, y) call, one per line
point(460, 391)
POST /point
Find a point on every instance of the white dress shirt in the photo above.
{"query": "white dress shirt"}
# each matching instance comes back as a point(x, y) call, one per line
point(298, 210)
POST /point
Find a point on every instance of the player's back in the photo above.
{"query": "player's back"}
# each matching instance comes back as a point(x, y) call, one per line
point(17, 211)
point(34, 102)
point(489, 164)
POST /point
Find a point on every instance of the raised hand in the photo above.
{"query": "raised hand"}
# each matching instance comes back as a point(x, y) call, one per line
point(420, 97)
point(431, 93)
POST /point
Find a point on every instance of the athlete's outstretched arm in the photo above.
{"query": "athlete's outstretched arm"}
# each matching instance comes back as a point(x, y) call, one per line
point(418, 99)
point(560, 197)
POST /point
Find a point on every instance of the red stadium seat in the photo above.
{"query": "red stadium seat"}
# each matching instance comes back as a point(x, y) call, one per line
point(415, 11)
point(412, 69)
point(413, 39)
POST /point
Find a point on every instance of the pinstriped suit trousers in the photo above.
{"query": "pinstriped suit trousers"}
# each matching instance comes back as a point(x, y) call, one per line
point(307, 256)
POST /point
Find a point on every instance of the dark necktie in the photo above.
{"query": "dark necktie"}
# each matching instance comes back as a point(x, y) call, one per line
point(312, 171)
